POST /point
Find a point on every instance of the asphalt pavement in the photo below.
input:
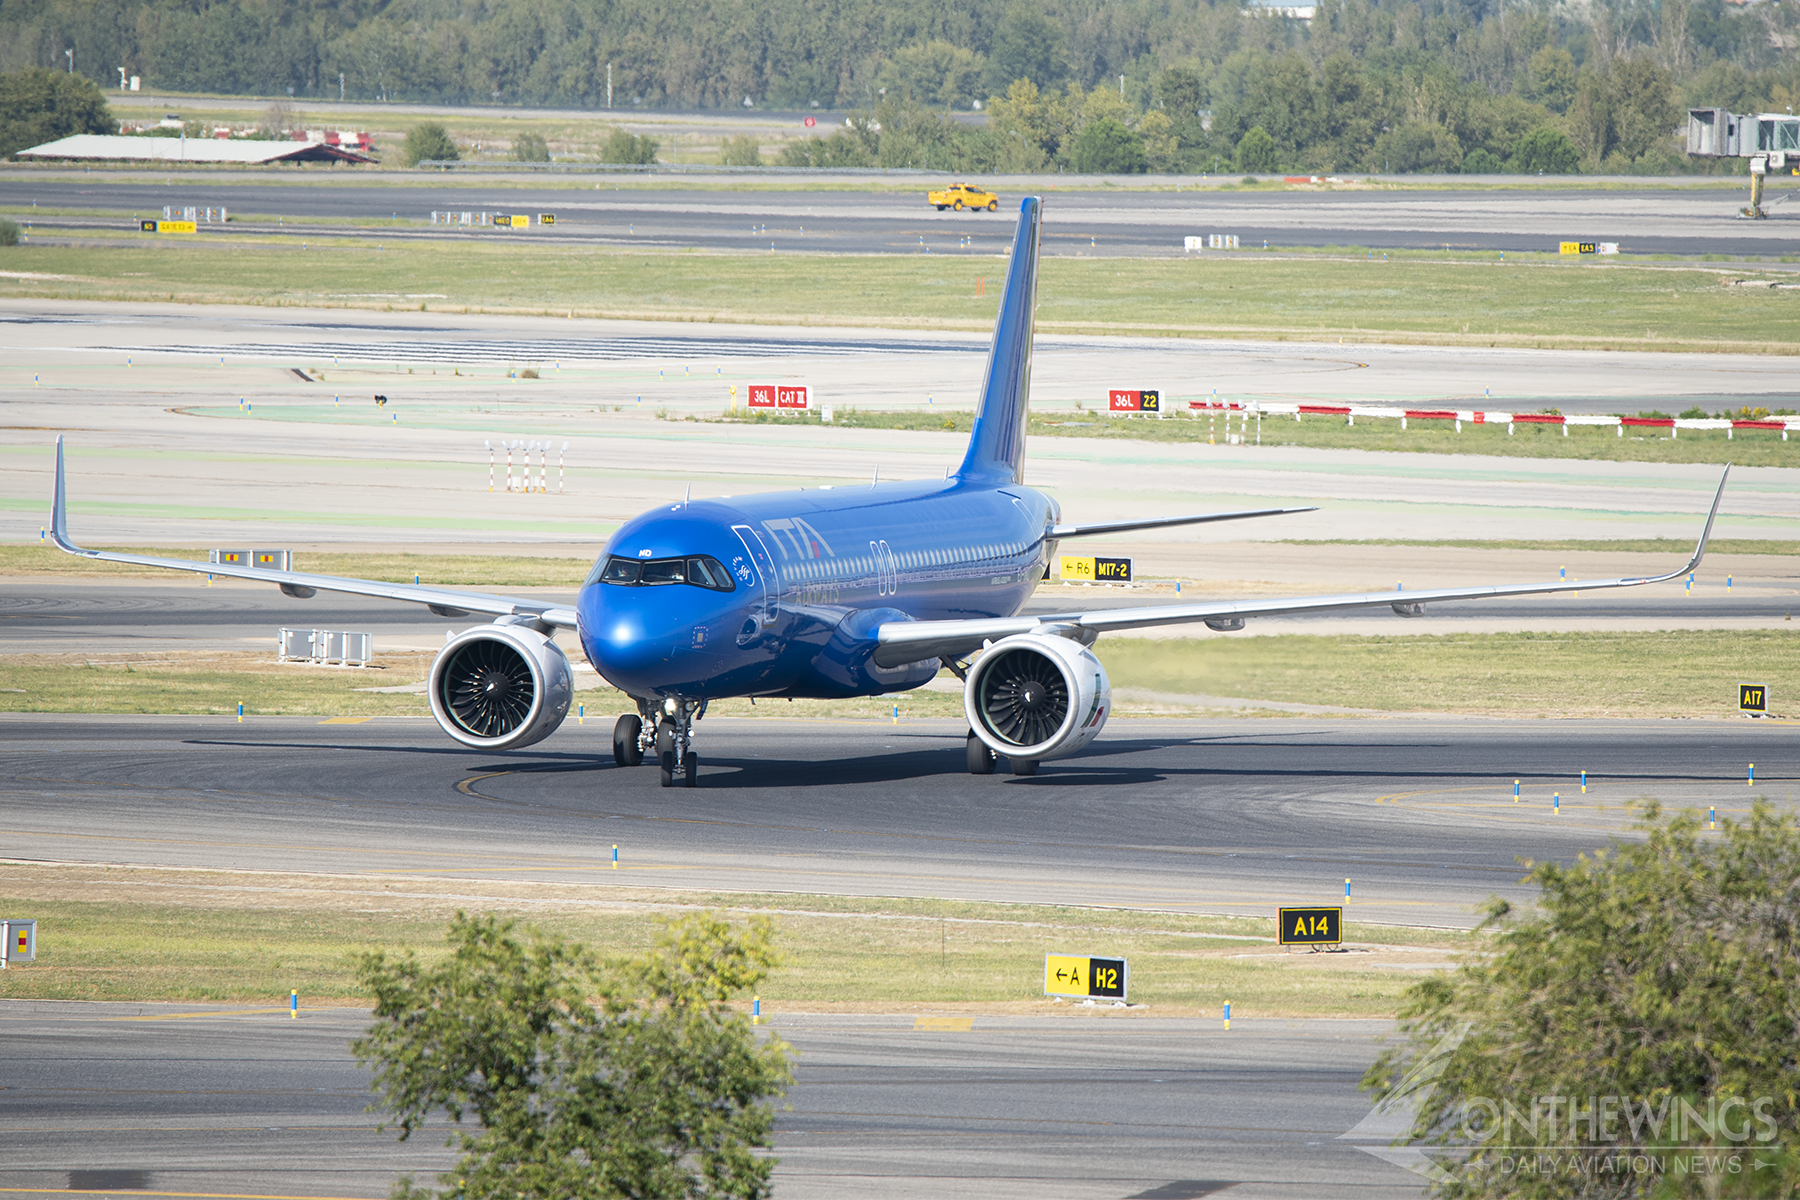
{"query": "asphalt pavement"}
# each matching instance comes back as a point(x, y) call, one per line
point(121, 1099)
point(1233, 817)
point(762, 216)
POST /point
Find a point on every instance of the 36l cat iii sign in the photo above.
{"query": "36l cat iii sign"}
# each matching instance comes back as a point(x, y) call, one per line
point(1066, 975)
point(1310, 926)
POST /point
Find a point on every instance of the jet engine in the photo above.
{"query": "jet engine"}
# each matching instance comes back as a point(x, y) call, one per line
point(499, 687)
point(1036, 696)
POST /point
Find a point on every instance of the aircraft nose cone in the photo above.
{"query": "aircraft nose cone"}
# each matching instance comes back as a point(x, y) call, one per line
point(1032, 696)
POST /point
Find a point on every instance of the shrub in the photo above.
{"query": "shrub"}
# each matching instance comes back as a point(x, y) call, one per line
point(1106, 147)
point(1482, 162)
point(39, 105)
point(530, 147)
point(622, 146)
point(427, 142)
point(740, 151)
point(1547, 152)
point(1256, 151)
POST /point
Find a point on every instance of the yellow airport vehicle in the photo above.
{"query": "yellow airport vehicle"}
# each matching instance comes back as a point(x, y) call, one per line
point(962, 195)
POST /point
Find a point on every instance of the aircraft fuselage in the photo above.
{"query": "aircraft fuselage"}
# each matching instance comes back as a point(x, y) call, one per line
point(813, 574)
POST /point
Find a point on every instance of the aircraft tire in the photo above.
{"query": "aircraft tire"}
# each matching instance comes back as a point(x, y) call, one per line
point(981, 759)
point(690, 770)
point(1023, 766)
point(665, 752)
point(627, 750)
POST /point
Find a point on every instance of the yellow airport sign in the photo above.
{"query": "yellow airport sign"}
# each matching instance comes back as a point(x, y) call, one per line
point(167, 227)
point(1309, 926)
point(1079, 568)
point(1577, 248)
point(1072, 975)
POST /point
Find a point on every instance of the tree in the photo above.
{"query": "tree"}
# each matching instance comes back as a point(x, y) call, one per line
point(1551, 79)
point(1642, 105)
point(1256, 152)
point(1106, 147)
point(39, 106)
point(623, 146)
point(1544, 152)
point(1026, 45)
point(1482, 162)
point(740, 151)
point(530, 147)
point(1418, 147)
point(429, 141)
point(585, 1079)
point(1650, 1002)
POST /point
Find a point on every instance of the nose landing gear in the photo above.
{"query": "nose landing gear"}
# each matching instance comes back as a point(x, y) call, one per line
point(668, 733)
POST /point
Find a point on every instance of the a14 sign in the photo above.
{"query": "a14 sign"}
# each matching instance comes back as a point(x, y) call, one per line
point(778, 395)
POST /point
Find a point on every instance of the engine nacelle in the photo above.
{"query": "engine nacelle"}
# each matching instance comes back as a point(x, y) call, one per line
point(1037, 696)
point(499, 687)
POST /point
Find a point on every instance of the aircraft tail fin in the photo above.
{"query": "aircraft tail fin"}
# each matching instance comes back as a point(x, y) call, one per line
point(997, 446)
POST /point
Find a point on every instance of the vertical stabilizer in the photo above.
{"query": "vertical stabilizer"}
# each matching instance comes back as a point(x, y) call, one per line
point(997, 445)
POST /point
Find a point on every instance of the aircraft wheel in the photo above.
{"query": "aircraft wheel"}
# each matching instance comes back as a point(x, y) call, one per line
point(1023, 766)
point(628, 751)
point(665, 752)
point(981, 759)
point(690, 769)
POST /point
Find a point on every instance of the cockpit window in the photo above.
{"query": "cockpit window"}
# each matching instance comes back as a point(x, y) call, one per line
point(664, 570)
point(700, 571)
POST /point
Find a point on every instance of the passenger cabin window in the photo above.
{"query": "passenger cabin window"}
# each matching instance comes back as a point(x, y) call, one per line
point(701, 571)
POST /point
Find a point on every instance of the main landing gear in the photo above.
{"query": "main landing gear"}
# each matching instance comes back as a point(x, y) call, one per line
point(983, 760)
point(666, 732)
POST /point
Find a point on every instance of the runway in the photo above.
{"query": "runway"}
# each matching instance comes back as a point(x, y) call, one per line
point(102, 1099)
point(765, 214)
point(1230, 817)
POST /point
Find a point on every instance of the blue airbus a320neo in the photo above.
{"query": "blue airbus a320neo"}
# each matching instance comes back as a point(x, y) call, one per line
point(827, 592)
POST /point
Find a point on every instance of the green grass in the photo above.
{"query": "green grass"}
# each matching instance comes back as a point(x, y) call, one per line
point(1455, 302)
point(1691, 673)
point(1757, 448)
point(1687, 673)
point(127, 935)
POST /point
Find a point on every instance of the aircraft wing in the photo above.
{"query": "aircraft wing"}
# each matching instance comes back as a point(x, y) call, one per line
point(1057, 532)
point(442, 601)
point(900, 642)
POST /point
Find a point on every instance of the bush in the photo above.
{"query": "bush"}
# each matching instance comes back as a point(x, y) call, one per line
point(430, 141)
point(1106, 147)
point(530, 147)
point(740, 151)
point(38, 106)
point(1546, 152)
point(624, 147)
point(1657, 979)
point(9, 232)
point(1256, 151)
point(1482, 162)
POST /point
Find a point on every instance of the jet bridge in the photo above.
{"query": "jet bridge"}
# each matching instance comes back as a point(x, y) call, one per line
point(1771, 141)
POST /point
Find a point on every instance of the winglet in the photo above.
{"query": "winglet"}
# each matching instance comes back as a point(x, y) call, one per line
point(1706, 533)
point(996, 452)
point(59, 507)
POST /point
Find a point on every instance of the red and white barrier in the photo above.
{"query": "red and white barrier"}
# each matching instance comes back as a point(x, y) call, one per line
point(1350, 412)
